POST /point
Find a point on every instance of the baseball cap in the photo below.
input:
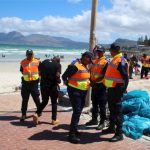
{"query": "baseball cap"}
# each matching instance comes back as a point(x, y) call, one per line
point(115, 46)
point(100, 49)
point(29, 52)
point(88, 54)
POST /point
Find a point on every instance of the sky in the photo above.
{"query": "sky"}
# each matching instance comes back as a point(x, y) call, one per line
point(128, 19)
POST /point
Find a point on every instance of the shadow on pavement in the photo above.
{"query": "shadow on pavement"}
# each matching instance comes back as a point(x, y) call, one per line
point(28, 124)
point(86, 137)
point(62, 126)
point(8, 118)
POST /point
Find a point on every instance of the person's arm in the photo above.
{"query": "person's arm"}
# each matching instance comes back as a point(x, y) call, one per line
point(72, 69)
point(21, 69)
point(58, 74)
point(123, 69)
point(40, 67)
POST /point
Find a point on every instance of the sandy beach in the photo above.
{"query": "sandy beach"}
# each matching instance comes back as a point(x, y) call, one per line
point(10, 78)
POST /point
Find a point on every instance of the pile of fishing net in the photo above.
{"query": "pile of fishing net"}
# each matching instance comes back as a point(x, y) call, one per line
point(136, 110)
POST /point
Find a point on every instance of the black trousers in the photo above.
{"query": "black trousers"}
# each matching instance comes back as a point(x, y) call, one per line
point(144, 71)
point(77, 98)
point(47, 92)
point(114, 98)
point(99, 102)
point(26, 90)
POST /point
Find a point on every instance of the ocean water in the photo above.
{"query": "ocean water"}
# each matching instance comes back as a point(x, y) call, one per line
point(15, 53)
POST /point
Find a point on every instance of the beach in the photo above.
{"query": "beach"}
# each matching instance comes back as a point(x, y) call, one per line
point(10, 76)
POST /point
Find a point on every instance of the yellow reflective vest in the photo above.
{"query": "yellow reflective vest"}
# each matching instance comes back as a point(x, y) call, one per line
point(81, 79)
point(30, 69)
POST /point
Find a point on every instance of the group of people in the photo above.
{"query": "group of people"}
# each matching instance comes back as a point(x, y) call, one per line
point(134, 65)
point(108, 81)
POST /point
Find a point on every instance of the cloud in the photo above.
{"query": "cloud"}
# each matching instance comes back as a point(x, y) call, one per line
point(74, 1)
point(126, 19)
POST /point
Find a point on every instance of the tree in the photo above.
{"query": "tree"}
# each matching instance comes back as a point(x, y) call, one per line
point(146, 40)
point(140, 41)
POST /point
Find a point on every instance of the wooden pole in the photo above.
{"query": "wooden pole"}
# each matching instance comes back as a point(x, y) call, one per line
point(92, 41)
point(93, 24)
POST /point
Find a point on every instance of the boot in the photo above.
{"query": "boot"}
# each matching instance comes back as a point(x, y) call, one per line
point(78, 134)
point(92, 122)
point(73, 138)
point(101, 125)
point(23, 117)
point(116, 138)
point(109, 130)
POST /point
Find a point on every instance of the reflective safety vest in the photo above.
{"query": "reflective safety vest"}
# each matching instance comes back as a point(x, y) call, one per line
point(81, 79)
point(97, 69)
point(112, 75)
point(145, 61)
point(30, 69)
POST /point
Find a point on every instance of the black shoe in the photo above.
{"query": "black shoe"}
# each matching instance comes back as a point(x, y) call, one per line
point(91, 122)
point(73, 138)
point(108, 130)
point(100, 126)
point(23, 117)
point(78, 134)
point(116, 138)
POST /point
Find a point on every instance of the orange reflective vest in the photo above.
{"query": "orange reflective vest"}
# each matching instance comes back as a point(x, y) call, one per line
point(81, 79)
point(112, 75)
point(30, 69)
point(145, 61)
point(97, 70)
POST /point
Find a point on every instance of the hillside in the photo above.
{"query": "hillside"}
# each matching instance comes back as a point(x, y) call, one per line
point(39, 40)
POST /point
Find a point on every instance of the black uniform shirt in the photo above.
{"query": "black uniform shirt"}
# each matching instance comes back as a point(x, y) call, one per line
point(123, 69)
point(48, 72)
point(72, 69)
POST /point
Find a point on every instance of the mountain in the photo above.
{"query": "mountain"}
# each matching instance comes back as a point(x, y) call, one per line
point(15, 37)
point(126, 42)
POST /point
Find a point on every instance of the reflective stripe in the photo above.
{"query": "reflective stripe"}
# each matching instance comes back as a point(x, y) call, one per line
point(114, 79)
point(82, 71)
point(96, 73)
point(34, 64)
point(31, 64)
point(78, 79)
point(31, 73)
point(98, 65)
point(113, 65)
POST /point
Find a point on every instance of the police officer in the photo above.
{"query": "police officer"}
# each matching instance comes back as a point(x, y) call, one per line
point(50, 71)
point(77, 79)
point(98, 89)
point(116, 80)
point(30, 79)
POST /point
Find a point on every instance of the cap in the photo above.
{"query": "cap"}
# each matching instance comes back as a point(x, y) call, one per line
point(29, 52)
point(100, 49)
point(115, 46)
point(88, 54)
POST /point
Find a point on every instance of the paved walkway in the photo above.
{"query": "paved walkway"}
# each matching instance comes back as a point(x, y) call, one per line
point(26, 136)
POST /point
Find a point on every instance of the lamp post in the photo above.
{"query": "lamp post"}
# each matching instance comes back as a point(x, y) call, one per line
point(92, 41)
